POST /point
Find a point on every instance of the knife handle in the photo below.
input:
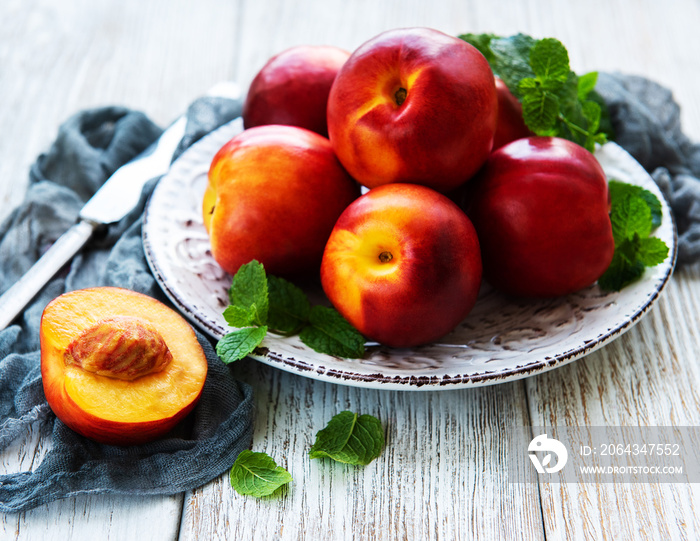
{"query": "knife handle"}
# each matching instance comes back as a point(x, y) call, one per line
point(13, 301)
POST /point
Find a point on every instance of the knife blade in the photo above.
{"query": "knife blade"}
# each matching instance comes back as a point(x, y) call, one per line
point(121, 192)
point(114, 200)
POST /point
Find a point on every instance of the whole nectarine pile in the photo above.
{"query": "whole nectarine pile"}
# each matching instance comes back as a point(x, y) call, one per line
point(412, 114)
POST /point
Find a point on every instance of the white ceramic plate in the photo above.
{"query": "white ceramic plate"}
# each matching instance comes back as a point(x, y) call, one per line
point(501, 340)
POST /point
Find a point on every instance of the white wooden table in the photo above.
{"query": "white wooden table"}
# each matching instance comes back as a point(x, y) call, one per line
point(442, 474)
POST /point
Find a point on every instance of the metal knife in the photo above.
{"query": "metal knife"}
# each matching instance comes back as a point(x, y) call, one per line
point(114, 200)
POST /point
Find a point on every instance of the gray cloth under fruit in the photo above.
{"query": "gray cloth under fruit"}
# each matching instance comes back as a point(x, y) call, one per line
point(647, 124)
point(89, 147)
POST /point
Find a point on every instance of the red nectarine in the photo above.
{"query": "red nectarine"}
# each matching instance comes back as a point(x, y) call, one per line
point(292, 88)
point(511, 125)
point(413, 105)
point(540, 208)
point(402, 265)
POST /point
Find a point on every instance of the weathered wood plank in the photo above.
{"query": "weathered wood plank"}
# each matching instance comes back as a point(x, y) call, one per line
point(58, 58)
point(441, 475)
point(648, 377)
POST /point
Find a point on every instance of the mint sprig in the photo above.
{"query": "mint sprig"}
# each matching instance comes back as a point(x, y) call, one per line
point(261, 303)
point(289, 306)
point(556, 101)
point(349, 438)
point(249, 294)
point(329, 332)
point(240, 343)
point(257, 474)
point(618, 190)
point(634, 214)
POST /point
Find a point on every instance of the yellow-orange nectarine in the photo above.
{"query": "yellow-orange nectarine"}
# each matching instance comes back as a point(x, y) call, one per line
point(274, 194)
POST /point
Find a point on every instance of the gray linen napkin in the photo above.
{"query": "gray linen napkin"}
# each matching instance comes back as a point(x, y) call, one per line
point(89, 147)
point(647, 124)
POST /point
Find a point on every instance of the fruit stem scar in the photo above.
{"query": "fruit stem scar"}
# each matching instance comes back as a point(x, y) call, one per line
point(400, 96)
point(385, 257)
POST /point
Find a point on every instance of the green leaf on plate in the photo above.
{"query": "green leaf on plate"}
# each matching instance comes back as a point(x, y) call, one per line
point(237, 344)
point(329, 332)
point(618, 190)
point(652, 251)
point(289, 306)
point(634, 212)
point(248, 293)
point(629, 216)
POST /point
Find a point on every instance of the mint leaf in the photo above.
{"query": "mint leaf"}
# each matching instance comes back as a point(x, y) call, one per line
point(350, 439)
point(236, 316)
point(511, 59)
point(654, 207)
point(632, 216)
point(481, 42)
point(257, 474)
point(289, 306)
point(571, 120)
point(329, 332)
point(652, 251)
point(555, 100)
point(540, 109)
point(591, 111)
point(621, 272)
point(607, 132)
point(248, 292)
point(586, 83)
point(629, 216)
point(618, 190)
point(237, 344)
point(259, 303)
point(527, 84)
point(549, 60)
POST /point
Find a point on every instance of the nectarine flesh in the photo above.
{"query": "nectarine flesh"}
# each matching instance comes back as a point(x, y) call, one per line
point(119, 367)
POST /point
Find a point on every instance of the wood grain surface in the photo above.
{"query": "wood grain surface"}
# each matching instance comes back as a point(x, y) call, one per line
point(443, 472)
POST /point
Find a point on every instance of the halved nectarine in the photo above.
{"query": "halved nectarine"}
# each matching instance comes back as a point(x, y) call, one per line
point(119, 367)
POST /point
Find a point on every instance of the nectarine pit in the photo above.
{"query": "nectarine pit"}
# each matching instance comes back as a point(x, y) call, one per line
point(122, 347)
